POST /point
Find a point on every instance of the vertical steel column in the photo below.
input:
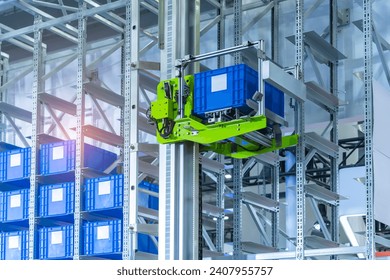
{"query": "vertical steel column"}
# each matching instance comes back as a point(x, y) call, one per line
point(275, 31)
point(38, 86)
point(220, 198)
point(237, 208)
point(3, 80)
point(300, 129)
point(237, 24)
point(188, 201)
point(275, 196)
point(368, 128)
point(276, 167)
point(80, 117)
point(179, 163)
point(167, 195)
point(221, 32)
point(334, 118)
point(130, 155)
point(237, 163)
point(220, 225)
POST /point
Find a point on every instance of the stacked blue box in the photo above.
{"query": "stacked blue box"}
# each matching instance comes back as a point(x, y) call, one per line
point(14, 205)
point(104, 192)
point(60, 157)
point(107, 193)
point(230, 87)
point(56, 199)
point(103, 237)
point(147, 200)
point(14, 245)
point(56, 242)
point(15, 164)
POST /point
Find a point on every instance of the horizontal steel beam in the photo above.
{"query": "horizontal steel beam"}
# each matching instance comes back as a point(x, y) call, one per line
point(102, 135)
point(16, 112)
point(309, 253)
point(322, 145)
point(323, 194)
point(149, 229)
point(211, 165)
point(211, 210)
point(257, 200)
point(321, 97)
point(104, 94)
point(58, 103)
point(277, 77)
point(256, 248)
point(322, 50)
point(148, 168)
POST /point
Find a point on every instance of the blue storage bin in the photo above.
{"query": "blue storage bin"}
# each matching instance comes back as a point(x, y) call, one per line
point(230, 87)
point(14, 205)
point(14, 245)
point(56, 199)
point(147, 200)
point(102, 237)
point(15, 164)
point(104, 192)
point(56, 242)
point(60, 157)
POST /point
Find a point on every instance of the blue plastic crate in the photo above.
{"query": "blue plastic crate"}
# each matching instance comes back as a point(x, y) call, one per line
point(14, 245)
point(56, 242)
point(56, 199)
point(60, 157)
point(147, 200)
point(14, 205)
point(104, 192)
point(230, 87)
point(15, 164)
point(102, 237)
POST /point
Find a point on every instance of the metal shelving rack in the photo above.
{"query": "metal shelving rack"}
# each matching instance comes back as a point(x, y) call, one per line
point(128, 101)
point(174, 159)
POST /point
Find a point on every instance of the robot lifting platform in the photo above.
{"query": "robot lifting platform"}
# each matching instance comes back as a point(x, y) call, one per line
point(235, 111)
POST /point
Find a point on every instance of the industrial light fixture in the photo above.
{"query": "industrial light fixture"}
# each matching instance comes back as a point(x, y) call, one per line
point(359, 75)
point(361, 180)
point(225, 218)
point(228, 176)
point(359, 127)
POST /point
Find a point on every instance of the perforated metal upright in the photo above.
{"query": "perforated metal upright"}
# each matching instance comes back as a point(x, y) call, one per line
point(4, 64)
point(237, 163)
point(38, 86)
point(220, 190)
point(334, 118)
point(368, 128)
point(300, 130)
point(130, 129)
point(80, 119)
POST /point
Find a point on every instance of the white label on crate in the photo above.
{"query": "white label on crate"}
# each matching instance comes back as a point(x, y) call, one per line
point(15, 160)
point(58, 152)
point(56, 237)
point(104, 188)
point(103, 232)
point(57, 195)
point(218, 83)
point(15, 201)
point(13, 242)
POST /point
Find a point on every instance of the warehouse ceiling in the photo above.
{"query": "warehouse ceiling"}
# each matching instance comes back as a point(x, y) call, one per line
point(17, 14)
